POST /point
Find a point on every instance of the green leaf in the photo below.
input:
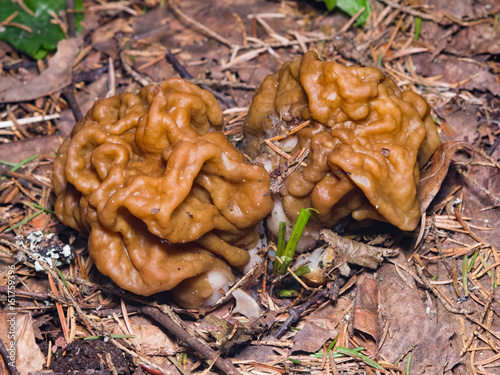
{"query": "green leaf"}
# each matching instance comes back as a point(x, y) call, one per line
point(34, 34)
point(352, 7)
point(22, 222)
point(330, 4)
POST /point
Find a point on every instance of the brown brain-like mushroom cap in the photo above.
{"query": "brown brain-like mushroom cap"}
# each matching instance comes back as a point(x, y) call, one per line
point(367, 140)
point(163, 194)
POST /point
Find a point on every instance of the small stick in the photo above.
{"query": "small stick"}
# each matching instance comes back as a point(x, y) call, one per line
point(112, 78)
point(280, 174)
point(5, 355)
point(29, 120)
point(93, 75)
point(49, 355)
point(60, 310)
point(111, 365)
point(186, 75)
point(213, 82)
point(413, 12)
point(226, 366)
point(177, 65)
point(293, 131)
point(199, 26)
point(493, 146)
point(144, 80)
point(280, 152)
point(295, 313)
point(297, 278)
point(73, 104)
point(34, 295)
point(129, 326)
point(33, 180)
point(352, 20)
point(70, 18)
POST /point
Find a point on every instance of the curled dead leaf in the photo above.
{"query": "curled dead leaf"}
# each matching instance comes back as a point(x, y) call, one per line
point(432, 177)
point(29, 358)
point(354, 252)
point(56, 77)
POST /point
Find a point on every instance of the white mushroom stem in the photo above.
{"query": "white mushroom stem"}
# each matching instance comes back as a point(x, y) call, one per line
point(245, 305)
point(218, 280)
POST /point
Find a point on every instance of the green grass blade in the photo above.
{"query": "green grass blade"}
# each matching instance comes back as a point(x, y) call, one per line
point(25, 161)
point(418, 24)
point(473, 260)
point(15, 167)
point(62, 277)
point(8, 163)
point(39, 207)
point(359, 356)
point(280, 247)
point(22, 222)
point(465, 271)
point(289, 252)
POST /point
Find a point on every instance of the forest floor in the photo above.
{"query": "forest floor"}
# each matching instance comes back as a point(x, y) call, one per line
point(433, 309)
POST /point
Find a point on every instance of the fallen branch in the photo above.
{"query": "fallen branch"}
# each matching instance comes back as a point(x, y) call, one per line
point(226, 366)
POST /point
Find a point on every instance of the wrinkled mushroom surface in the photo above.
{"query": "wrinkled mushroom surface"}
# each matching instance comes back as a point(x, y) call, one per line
point(162, 193)
point(367, 141)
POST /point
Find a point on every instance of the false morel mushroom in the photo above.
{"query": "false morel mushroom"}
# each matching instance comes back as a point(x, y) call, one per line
point(168, 202)
point(367, 141)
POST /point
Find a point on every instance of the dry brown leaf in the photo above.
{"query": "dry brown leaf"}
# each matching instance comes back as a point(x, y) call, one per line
point(56, 77)
point(476, 39)
point(311, 338)
point(365, 317)
point(459, 9)
point(415, 326)
point(151, 338)
point(16, 152)
point(103, 38)
point(29, 358)
point(432, 177)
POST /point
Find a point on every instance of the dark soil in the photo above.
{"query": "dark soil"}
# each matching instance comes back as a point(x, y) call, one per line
point(90, 354)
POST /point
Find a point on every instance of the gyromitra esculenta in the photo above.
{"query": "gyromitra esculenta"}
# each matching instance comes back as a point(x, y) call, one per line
point(168, 202)
point(367, 141)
